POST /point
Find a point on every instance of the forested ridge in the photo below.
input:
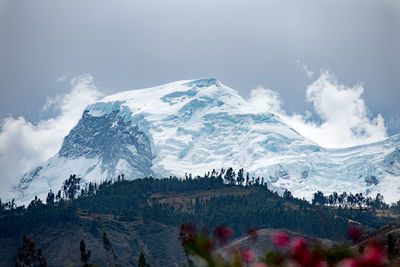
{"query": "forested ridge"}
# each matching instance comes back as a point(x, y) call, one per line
point(145, 215)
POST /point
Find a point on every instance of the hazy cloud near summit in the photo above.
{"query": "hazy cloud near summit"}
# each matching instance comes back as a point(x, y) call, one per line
point(24, 145)
point(343, 118)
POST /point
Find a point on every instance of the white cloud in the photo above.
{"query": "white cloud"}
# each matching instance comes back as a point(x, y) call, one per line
point(24, 145)
point(62, 78)
point(345, 119)
point(307, 71)
point(262, 100)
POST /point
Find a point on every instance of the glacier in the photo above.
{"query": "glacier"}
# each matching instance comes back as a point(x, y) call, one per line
point(194, 126)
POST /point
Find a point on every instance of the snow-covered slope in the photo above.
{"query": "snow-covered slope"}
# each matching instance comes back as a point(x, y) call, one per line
point(198, 125)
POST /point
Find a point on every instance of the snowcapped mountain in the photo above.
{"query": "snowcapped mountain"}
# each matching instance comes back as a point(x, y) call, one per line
point(198, 125)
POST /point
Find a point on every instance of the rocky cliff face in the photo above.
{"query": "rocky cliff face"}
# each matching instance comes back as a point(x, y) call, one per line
point(118, 144)
point(97, 148)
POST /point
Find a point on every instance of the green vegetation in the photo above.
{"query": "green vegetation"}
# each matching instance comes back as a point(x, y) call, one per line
point(145, 215)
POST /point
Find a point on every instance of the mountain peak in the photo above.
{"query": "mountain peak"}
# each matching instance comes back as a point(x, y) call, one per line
point(172, 99)
point(192, 126)
point(204, 82)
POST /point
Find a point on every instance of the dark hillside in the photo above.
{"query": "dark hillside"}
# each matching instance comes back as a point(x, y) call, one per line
point(146, 214)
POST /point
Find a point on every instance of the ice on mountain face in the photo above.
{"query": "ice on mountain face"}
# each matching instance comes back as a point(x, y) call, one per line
point(371, 180)
point(28, 178)
point(392, 162)
point(111, 139)
point(204, 83)
point(97, 148)
point(200, 125)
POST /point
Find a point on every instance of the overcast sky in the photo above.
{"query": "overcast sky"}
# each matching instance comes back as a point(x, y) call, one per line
point(329, 68)
point(135, 44)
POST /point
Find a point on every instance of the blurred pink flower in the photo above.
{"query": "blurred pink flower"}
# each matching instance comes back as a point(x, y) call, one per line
point(223, 232)
point(300, 252)
point(348, 262)
point(298, 244)
point(261, 264)
point(374, 254)
point(280, 239)
point(322, 264)
point(354, 232)
point(248, 255)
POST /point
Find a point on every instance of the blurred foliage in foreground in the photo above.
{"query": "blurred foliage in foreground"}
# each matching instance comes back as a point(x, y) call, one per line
point(203, 248)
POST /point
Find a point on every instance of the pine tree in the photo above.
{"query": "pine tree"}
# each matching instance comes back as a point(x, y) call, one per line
point(240, 177)
point(319, 198)
point(71, 186)
point(85, 255)
point(28, 256)
point(36, 203)
point(58, 196)
point(287, 195)
point(108, 248)
point(142, 261)
point(50, 198)
point(230, 176)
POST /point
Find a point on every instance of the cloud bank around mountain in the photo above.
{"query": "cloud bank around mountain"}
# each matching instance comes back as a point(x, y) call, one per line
point(340, 119)
point(24, 145)
point(343, 119)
